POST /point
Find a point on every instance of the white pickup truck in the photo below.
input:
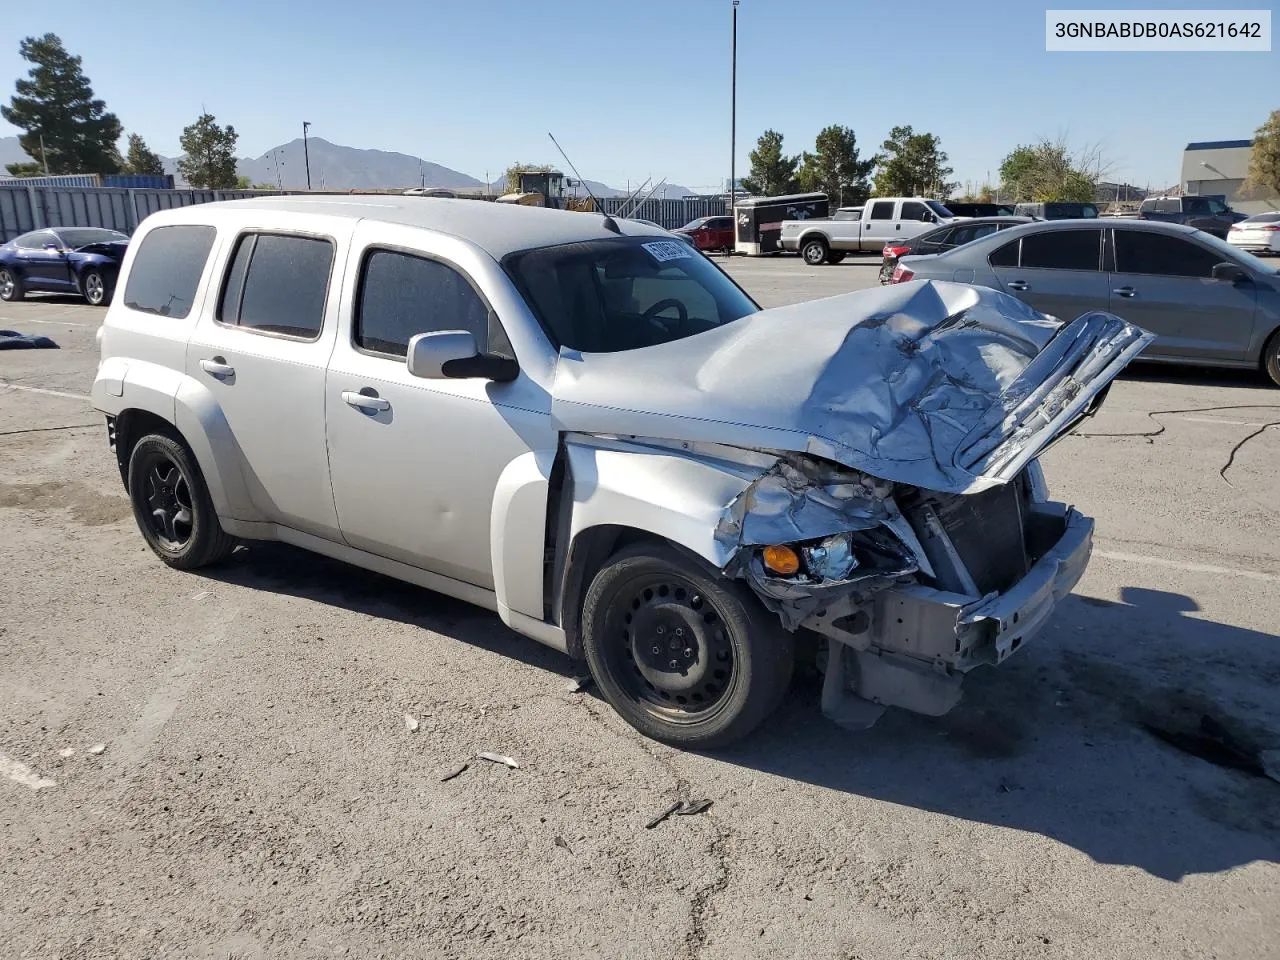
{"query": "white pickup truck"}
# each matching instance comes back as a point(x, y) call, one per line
point(883, 219)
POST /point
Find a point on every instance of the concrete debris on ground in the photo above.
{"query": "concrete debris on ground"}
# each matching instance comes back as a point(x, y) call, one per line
point(498, 758)
point(411, 723)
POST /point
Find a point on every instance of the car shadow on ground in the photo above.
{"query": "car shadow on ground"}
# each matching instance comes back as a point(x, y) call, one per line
point(56, 299)
point(284, 569)
point(1092, 737)
point(1096, 738)
point(1193, 376)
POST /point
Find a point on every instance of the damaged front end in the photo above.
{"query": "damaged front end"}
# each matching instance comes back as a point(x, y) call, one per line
point(908, 589)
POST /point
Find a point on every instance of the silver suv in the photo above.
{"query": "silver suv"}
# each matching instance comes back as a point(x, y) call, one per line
point(584, 425)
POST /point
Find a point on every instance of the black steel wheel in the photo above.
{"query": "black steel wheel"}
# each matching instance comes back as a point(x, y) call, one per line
point(684, 655)
point(11, 288)
point(171, 504)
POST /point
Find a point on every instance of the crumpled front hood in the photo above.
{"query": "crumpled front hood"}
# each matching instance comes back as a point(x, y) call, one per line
point(945, 386)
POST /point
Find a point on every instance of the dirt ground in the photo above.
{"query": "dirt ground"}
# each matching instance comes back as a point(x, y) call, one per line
point(258, 793)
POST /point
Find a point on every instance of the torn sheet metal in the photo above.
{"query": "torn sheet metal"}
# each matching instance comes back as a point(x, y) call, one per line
point(949, 387)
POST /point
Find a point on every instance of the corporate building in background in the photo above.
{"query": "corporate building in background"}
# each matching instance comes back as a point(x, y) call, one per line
point(1218, 167)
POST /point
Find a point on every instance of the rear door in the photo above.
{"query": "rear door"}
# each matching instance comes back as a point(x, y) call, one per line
point(261, 348)
point(1164, 282)
point(879, 225)
point(1057, 271)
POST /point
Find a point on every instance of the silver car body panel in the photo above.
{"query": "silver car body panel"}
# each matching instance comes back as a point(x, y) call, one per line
point(944, 386)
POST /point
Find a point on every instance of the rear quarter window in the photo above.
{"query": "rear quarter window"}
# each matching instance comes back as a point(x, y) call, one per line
point(167, 268)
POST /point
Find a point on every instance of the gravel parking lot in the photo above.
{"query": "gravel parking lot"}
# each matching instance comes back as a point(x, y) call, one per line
point(258, 792)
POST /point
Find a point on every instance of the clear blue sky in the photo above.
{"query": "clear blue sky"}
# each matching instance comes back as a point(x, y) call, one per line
point(638, 88)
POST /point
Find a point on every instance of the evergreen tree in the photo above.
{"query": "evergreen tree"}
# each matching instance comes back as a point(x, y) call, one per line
point(209, 154)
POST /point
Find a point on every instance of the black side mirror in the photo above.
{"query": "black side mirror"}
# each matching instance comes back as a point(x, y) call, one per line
point(1228, 273)
point(928, 217)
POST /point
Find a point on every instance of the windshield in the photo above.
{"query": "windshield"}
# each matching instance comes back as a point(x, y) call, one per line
point(1233, 254)
point(939, 208)
point(604, 296)
point(82, 237)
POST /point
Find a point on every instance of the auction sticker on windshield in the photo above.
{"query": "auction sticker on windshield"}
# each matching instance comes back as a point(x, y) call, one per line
point(664, 250)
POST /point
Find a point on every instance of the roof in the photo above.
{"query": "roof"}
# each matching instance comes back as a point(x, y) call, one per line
point(1220, 144)
point(498, 228)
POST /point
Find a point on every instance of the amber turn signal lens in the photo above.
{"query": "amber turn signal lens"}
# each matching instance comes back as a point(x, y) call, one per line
point(781, 560)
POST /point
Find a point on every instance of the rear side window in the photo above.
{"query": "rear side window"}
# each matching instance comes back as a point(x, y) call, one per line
point(1138, 251)
point(882, 210)
point(1006, 256)
point(402, 295)
point(1062, 250)
point(166, 270)
point(1167, 206)
point(278, 284)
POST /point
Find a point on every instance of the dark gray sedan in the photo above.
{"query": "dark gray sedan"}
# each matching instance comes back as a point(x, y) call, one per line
point(1209, 303)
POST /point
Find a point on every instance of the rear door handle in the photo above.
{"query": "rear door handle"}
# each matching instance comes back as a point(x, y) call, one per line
point(1018, 285)
point(217, 367)
point(1125, 292)
point(362, 401)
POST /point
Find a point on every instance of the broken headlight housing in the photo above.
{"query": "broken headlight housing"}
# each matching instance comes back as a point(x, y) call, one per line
point(852, 555)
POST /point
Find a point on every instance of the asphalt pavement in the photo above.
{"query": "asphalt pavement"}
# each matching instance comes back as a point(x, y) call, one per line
point(220, 764)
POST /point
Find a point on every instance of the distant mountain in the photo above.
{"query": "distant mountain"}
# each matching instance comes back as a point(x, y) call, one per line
point(336, 167)
point(672, 191)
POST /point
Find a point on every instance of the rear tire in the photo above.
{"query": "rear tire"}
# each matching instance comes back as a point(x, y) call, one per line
point(651, 607)
point(814, 251)
point(11, 288)
point(1271, 358)
point(172, 506)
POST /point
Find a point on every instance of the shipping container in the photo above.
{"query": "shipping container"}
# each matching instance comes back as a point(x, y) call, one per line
point(139, 181)
point(58, 180)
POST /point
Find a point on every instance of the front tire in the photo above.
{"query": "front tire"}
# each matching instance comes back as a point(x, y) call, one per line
point(1271, 358)
point(684, 655)
point(11, 288)
point(171, 504)
point(95, 288)
point(814, 251)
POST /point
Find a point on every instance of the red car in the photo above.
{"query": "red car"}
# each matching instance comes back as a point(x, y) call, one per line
point(709, 233)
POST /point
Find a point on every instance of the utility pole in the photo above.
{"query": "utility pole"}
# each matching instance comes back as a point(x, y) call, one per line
point(306, 155)
point(733, 125)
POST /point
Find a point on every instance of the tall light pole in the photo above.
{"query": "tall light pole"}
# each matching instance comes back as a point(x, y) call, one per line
point(733, 125)
point(306, 155)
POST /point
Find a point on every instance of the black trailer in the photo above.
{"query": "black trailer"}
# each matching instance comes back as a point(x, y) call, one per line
point(759, 219)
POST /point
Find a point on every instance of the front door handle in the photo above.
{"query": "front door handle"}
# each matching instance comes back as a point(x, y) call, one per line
point(362, 401)
point(1125, 292)
point(1018, 285)
point(217, 367)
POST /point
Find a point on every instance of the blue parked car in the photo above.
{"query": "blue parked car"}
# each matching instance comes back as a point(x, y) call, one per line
point(83, 260)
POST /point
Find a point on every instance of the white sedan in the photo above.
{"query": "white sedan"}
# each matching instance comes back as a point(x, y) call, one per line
point(1259, 234)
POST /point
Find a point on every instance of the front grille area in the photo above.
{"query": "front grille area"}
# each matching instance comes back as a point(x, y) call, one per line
point(987, 530)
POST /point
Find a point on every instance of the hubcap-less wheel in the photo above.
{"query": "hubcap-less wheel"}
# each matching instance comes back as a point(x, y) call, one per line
point(6, 285)
point(814, 254)
point(168, 498)
point(95, 289)
point(668, 648)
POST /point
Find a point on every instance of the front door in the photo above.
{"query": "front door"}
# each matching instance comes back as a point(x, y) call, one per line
point(879, 227)
point(1164, 283)
point(44, 262)
point(261, 348)
point(416, 462)
point(1058, 273)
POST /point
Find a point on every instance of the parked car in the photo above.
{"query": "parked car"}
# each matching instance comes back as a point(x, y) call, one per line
point(942, 239)
point(586, 426)
point(1258, 234)
point(883, 219)
point(687, 238)
point(1210, 214)
point(963, 209)
point(1057, 211)
point(1208, 302)
point(81, 260)
point(709, 233)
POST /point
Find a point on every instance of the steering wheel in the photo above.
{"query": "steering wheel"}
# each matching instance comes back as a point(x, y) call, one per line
point(651, 315)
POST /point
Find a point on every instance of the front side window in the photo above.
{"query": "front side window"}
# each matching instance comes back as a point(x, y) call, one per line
point(1062, 250)
point(167, 268)
point(35, 241)
point(604, 296)
point(882, 210)
point(278, 284)
point(1138, 251)
point(912, 210)
point(402, 295)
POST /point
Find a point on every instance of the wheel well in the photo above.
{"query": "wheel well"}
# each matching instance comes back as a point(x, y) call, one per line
point(820, 237)
point(130, 426)
point(589, 552)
